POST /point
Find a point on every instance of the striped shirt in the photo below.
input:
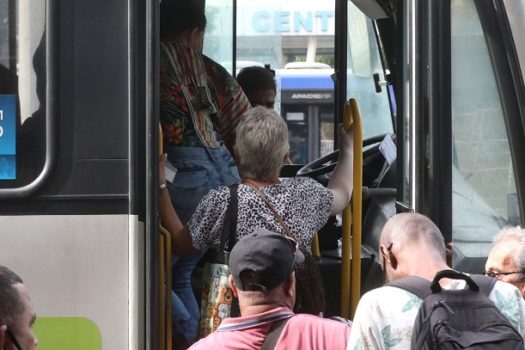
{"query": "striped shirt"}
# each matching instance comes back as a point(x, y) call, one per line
point(199, 96)
point(305, 332)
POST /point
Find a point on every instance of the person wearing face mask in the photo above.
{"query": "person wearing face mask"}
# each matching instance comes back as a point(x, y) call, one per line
point(17, 314)
point(200, 106)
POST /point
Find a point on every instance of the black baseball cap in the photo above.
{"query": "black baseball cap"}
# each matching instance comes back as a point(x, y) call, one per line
point(271, 256)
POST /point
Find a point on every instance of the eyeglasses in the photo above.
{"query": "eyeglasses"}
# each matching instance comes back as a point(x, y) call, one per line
point(388, 249)
point(496, 274)
point(13, 339)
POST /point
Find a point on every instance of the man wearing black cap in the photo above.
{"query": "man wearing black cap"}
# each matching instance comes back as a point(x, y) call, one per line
point(262, 277)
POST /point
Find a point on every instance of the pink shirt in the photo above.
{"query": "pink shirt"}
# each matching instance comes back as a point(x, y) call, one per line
point(300, 332)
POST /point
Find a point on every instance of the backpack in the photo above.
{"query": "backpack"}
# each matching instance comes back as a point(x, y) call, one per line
point(458, 319)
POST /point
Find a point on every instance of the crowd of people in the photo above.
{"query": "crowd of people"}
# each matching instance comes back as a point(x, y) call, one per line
point(219, 132)
point(227, 132)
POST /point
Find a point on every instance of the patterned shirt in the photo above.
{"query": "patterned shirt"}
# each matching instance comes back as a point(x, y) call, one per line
point(303, 203)
point(300, 332)
point(385, 316)
point(198, 96)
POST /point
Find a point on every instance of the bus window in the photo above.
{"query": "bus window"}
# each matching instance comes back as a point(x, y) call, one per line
point(362, 63)
point(483, 182)
point(296, 38)
point(307, 105)
point(218, 39)
point(22, 92)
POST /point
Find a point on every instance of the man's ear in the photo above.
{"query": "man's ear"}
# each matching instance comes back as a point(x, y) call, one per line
point(233, 286)
point(289, 286)
point(3, 330)
point(393, 260)
point(388, 256)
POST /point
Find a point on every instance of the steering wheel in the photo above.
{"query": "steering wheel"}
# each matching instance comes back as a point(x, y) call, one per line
point(327, 163)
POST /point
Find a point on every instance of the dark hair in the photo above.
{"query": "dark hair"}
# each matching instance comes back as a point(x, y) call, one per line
point(255, 79)
point(309, 290)
point(179, 16)
point(11, 306)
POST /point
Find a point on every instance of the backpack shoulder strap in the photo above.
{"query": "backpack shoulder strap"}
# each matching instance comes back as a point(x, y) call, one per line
point(413, 284)
point(229, 226)
point(484, 283)
point(270, 341)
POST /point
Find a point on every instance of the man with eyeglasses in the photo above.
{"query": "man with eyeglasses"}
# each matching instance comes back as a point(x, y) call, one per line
point(412, 245)
point(506, 260)
point(262, 277)
point(17, 314)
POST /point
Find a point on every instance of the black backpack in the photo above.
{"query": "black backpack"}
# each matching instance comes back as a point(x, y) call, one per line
point(458, 319)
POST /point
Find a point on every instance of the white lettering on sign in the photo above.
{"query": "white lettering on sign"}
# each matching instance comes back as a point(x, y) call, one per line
point(307, 22)
point(310, 96)
point(1, 131)
point(1, 114)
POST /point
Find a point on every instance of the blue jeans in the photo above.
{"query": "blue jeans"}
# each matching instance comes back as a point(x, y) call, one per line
point(198, 170)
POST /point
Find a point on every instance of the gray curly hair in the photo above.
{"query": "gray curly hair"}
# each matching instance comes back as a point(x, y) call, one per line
point(516, 233)
point(261, 144)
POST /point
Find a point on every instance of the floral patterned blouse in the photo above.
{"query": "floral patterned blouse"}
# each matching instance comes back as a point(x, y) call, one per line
point(198, 98)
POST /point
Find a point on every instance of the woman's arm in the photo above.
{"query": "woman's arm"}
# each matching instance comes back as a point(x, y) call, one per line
point(341, 181)
point(180, 236)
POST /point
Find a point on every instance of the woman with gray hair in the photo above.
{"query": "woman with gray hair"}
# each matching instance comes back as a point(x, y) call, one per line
point(261, 149)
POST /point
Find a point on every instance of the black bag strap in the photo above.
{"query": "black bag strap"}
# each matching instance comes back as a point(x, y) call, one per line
point(413, 284)
point(229, 226)
point(436, 287)
point(485, 283)
point(422, 288)
point(270, 341)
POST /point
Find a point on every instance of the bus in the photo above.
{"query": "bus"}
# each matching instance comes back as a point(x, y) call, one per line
point(307, 105)
point(439, 84)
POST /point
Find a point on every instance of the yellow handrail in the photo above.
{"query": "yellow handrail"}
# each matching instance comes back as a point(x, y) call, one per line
point(165, 325)
point(351, 230)
point(315, 245)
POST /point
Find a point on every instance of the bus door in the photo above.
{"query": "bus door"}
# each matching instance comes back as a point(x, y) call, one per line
point(461, 130)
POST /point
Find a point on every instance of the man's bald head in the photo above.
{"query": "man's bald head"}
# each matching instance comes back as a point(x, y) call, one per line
point(413, 229)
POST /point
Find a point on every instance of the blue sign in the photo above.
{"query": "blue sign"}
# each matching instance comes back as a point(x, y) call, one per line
point(7, 137)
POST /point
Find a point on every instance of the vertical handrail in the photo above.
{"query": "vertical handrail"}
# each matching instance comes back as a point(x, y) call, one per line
point(351, 228)
point(316, 251)
point(357, 206)
point(165, 331)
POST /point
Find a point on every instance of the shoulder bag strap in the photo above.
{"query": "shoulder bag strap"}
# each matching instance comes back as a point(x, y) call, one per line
point(270, 341)
point(484, 283)
point(229, 226)
point(274, 212)
point(413, 284)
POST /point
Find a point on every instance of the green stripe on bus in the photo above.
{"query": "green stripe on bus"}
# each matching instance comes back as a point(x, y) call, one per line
point(66, 333)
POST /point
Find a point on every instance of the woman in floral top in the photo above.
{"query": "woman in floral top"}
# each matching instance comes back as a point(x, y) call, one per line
point(200, 106)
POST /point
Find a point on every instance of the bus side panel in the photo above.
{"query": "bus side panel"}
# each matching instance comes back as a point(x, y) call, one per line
point(78, 266)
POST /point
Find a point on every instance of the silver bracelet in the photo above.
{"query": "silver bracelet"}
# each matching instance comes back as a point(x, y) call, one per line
point(163, 186)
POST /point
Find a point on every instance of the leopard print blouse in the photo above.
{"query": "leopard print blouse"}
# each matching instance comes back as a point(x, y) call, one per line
point(303, 203)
